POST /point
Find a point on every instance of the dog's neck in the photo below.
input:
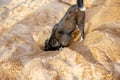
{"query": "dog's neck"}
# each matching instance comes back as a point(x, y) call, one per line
point(82, 9)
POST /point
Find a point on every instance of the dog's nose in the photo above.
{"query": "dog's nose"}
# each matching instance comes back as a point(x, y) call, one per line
point(47, 48)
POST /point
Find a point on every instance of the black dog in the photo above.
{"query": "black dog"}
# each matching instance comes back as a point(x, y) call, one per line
point(61, 33)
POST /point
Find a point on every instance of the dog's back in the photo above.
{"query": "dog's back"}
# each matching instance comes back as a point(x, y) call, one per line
point(73, 17)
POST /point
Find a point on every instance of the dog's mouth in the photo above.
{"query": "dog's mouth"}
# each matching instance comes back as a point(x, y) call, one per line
point(49, 48)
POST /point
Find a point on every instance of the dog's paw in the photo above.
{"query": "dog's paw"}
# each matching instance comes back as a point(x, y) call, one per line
point(81, 39)
point(60, 49)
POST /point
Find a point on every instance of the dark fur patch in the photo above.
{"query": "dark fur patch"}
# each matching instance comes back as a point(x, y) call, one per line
point(62, 31)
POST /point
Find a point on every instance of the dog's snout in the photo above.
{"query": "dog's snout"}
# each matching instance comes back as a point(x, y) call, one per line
point(52, 44)
point(47, 46)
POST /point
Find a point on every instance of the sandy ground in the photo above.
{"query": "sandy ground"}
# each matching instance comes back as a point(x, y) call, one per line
point(26, 24)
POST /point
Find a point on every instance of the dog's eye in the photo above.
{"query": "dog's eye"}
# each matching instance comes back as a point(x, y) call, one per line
point(60, 32)
point(70, 12)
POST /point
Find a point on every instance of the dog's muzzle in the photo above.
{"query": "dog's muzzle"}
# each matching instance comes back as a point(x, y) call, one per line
point(48, 47)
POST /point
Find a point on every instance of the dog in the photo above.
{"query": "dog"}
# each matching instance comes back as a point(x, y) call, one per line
point(61, 32)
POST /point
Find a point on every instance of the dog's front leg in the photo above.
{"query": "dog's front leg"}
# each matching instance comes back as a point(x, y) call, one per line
point(81, 27)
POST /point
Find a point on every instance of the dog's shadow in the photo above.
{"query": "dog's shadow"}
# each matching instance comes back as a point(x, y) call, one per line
point(84, 50)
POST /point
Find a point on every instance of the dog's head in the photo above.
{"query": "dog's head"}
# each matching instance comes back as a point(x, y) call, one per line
point(58, 39)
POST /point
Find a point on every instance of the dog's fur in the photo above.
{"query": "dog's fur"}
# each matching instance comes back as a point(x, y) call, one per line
point(61, 33)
